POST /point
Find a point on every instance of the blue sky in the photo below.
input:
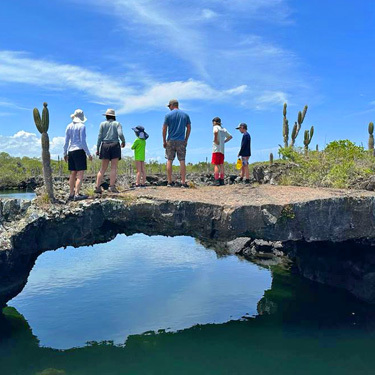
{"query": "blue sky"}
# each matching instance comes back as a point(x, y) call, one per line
point(239, 60)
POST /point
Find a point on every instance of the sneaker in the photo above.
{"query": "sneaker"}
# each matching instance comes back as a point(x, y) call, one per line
point(221, 181)
point(217, 183)
point(70, 198)
point(98, 190)
point(185, 185)
point(240, 179)
point(247, 181)
point(112, 189)
point(137, 186)
point(143, 185)
point(170, 184)
point(80, 197)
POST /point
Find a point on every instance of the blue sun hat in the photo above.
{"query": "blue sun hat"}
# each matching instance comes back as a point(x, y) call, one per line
point(140, 132)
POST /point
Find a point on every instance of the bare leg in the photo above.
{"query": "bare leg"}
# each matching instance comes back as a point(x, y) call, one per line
point(247, 172)
point(79, 181)
point(216, 170)
point(169, 171)
point(183, 171)
point(113, 175)
point(101, 173)
point(222, 169)
point(72, 182)
point(138, 165)
point(143, 172)
point(242, 171)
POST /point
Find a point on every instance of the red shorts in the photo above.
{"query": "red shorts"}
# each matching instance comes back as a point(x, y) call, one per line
point(217, 158)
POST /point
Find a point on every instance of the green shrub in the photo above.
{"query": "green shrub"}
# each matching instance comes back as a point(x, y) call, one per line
point(338, 165)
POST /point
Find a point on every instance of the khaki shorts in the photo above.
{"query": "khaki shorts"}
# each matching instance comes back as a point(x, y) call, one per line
point(175, 147)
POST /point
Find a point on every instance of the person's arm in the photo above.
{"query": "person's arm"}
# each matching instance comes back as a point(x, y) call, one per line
point(100, 138)
point(135, 143)
point(82, 134)
point(187, 135)
point(250, 144)
point(164, 133)
point(243, 144)
point(228, 137)
point(121, 135)
point(66, 144)
point(216, 137)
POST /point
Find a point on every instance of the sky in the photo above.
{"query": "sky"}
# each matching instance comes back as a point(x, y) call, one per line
point(238, 59)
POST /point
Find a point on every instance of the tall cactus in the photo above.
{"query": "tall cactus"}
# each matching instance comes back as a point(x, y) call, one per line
point(298, 124)
point(307, 138)
point(42, 124)
point(371, 137)
point(285, 128)
point(271, 158)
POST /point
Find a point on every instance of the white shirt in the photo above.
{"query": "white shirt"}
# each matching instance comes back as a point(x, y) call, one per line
point(75, 138)
point(223, 134)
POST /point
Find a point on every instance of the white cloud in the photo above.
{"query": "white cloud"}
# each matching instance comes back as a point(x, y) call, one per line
point(158, 95)
point(209, 14)
point(271, 98)
point(17, 67)
point(172, 26)
point(7, 104)
point(28, 144)
point(129, 97)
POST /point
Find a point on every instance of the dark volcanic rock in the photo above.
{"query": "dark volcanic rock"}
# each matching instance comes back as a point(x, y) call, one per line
point(271, 174)
point(253, 230)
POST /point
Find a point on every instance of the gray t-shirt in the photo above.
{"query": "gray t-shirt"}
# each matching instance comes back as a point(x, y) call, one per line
point(223, 134)
point(109, 132)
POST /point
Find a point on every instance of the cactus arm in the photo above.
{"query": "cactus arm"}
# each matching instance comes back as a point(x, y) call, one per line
point(45, 118)
point(371, 136)
point(37, 120)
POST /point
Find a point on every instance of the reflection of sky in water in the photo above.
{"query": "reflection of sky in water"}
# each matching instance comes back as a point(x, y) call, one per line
point(135, 284)
point(17, 195)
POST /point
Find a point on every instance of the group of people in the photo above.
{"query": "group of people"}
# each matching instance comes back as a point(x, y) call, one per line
point(176, 132)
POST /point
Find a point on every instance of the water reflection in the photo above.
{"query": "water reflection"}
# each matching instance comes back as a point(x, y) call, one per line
point(135, 284)
point(28, 195)
point(307, 330)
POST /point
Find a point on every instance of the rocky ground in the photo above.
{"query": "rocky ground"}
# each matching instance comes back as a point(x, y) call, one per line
point(263, 174)
point(327, 233)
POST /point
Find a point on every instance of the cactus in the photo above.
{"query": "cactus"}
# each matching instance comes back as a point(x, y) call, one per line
point(298, 124)
point(285, 127)
point(371, 137)
point(317, 147)
point(307, 138)
point(271, 158)
point(42, 124)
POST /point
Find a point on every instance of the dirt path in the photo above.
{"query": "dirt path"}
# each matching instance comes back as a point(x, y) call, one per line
point(239, 195)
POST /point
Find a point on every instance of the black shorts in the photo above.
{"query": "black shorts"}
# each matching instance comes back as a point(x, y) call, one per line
point(77, 160)
point(110, 151)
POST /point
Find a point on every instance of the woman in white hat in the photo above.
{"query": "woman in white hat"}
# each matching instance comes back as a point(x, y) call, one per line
point(109, 149)
point(75, 152)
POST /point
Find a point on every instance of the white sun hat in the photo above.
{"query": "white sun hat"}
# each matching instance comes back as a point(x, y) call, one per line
point(78, 116)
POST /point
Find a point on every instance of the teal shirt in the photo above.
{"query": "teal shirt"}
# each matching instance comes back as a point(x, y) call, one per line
point(139, 147)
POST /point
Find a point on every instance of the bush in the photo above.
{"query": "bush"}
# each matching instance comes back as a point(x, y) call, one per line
point(338, 165)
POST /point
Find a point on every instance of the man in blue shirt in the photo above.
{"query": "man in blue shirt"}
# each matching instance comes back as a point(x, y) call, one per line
point(245, 152)
point(176, 132)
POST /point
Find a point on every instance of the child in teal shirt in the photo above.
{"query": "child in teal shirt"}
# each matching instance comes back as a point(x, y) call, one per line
point(139, 147)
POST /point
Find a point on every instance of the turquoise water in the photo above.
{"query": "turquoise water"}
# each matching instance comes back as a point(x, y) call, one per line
point(16, 194)
point(157, 305)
